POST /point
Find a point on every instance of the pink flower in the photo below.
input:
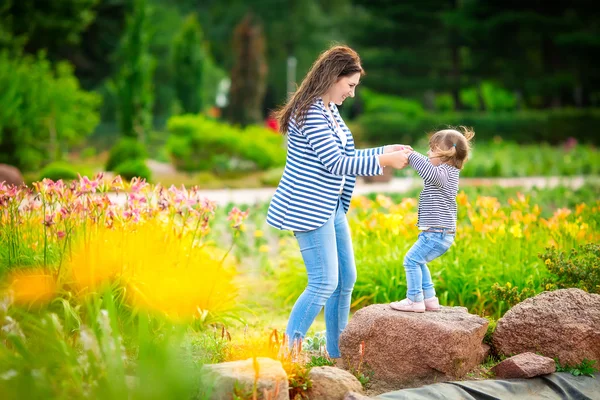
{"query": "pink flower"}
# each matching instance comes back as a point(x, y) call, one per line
point(61, 234)
point(49, 219)
point(86, 185)
point(237, 217)
point(133, 214)
point(570, 144)
point(207, 205)
point(137, 184)
point(117, 183)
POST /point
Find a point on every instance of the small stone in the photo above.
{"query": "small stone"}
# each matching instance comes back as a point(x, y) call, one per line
point(331, 383)
point(219, 380)
point(525, 365)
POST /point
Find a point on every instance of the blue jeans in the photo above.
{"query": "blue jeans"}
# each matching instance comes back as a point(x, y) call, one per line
point(329, 259)
point(429, 246)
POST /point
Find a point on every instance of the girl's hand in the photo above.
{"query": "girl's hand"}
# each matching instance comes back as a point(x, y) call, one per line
point(396, 147)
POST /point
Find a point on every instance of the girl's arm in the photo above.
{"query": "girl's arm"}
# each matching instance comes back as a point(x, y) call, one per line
point(431, 174)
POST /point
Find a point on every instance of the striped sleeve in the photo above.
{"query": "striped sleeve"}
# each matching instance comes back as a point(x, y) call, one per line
point(369, 152)
point(431, 174)
point(320, 138)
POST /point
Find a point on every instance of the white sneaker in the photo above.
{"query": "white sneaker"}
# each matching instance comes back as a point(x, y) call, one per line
point(432, 304)
point(408, 305)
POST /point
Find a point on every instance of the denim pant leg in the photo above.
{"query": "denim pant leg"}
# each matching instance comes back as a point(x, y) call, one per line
point(337, 308)
point(429, 246)
point(318, 248)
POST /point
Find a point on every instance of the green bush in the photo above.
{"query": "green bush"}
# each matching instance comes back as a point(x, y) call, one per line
point(58, 170)
point(43, 110)
point(556, 126)
point(198, 143)
point(383, 103)
point(88, 152)
point(133, 168)
point(509, 159)
point(272, 177)
point(579, 268)
point(511, 295)
point(126, 149)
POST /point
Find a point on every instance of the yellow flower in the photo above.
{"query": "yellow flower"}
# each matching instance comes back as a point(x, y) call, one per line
point(562, 213)
point(263, 249)
point(515, 230)
point(258, 233)
point(384, 201)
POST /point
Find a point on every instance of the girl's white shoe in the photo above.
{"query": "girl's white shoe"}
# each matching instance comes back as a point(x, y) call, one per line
point(408, 305)
point(432, 304)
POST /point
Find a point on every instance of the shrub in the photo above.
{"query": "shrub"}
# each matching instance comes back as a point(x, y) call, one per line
point(198, 143)
point(383, 103)
point(509, 294)
point(553, 126)
point(272, 177)
point(579, 268)
point(319, 361)
point(88, 152)
point(134, 168)
point(58, 170)
point(585, 368)
point(43, 110)
point(126, 149)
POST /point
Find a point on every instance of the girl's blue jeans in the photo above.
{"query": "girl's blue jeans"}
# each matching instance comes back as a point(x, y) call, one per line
point(329, 259)
point(429, 246)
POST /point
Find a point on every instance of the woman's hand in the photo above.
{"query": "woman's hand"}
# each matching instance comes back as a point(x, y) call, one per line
point(395, 147)
point(395, 159)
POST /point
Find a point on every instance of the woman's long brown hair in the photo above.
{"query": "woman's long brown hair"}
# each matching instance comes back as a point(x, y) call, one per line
point(332, 64)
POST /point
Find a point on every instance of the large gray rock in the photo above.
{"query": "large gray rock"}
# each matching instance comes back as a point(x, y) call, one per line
point(526, 365)
point(411, 349)
point(218, 380)
point(331, 383)
point(564, 324)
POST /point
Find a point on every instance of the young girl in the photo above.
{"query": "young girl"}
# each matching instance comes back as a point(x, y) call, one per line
point(448, 151)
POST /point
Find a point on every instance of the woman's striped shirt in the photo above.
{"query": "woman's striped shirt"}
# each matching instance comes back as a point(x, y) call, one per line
point(316, 165)
point(437, 201)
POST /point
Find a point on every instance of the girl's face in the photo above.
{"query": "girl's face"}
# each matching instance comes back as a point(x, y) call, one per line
point(434, 157)
point(343, 88)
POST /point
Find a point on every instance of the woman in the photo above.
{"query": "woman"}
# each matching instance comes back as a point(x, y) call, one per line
point(314, 193)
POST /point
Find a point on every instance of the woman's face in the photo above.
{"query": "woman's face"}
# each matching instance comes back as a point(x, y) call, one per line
point(344, 88)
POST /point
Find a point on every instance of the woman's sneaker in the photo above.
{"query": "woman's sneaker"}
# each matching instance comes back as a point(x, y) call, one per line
point(432, 304)
point(408, 305)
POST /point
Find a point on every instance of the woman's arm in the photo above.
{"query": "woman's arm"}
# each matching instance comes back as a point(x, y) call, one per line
point(370, 152)
point(382, 150)
point(320, 138)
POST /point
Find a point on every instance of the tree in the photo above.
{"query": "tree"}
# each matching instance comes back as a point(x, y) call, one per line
point(133, 84)
point(42, 110)
point(188, 65)
point(540, 49)
point(47, 25)
point(248, 74)
point(403, 45)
